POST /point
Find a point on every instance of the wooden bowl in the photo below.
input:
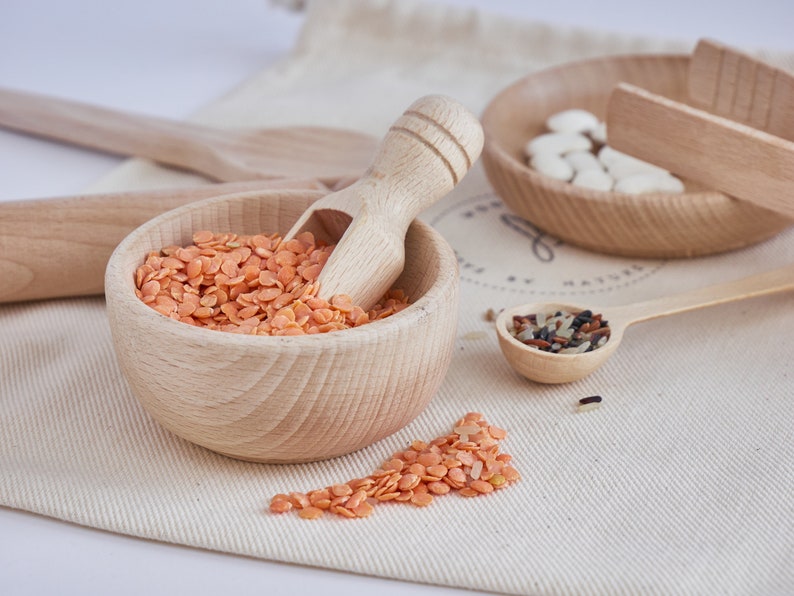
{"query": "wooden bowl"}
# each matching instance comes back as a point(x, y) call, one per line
point(655, 225)
point(282, 399)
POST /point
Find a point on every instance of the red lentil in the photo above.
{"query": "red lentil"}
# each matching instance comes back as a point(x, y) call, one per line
point(310, 512)
point(422, 500)
point(481, 486)
point(256, 285)
point(280, 506)
point(472, 467)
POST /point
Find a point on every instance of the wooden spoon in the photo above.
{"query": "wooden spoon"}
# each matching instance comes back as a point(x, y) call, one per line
point(225, 155)
point(730, 83)
point(58, 247)
point(423, 156)
point(548, 367)
point(742, 161)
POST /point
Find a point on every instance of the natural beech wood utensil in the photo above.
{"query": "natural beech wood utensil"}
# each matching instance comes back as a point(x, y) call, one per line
point(656, 225)
point(741, 161)
point(282, 399)
point(730, 83)
point(546, 367)
point(58, 247)
point(327, 154)
point(423, 156)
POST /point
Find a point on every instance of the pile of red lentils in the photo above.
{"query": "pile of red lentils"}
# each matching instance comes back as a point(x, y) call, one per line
point(467, 461)
point(255, 284)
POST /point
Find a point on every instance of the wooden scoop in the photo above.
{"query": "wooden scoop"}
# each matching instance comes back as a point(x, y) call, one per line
point(549, 367)
point(58, 247)
point(739, 160)
point(326, 154)
point(423, 156)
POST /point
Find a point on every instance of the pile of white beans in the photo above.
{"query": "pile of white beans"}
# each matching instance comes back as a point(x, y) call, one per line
point(575, 150)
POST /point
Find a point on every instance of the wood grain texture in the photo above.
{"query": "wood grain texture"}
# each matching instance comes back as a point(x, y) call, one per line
point(59, 247)
point(546, 367)
point(326, 154)
point(425, 153)
point(739, 160)
point(283, 399)
point(740, 87)
point(697, 222)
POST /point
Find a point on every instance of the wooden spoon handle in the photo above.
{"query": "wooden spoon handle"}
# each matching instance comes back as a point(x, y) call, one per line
point(740, 87)
point(732, 157)
point(59, 247)
point(769, 282)
point(178, 144)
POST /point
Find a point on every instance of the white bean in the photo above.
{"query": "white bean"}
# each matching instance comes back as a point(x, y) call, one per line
point(567, 153)
point(574, 120)
point(649, 182)
point(628, 166)
point(597, 179)
point(558, 142)
point(607, 155)
point(552, 165)
point(599, 133)
point(583, 160)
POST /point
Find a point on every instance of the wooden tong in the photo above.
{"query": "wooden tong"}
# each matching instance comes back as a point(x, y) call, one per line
point(744, 146)
point(736, 86)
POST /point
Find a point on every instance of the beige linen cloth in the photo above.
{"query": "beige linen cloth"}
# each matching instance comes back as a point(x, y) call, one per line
point(682, 481)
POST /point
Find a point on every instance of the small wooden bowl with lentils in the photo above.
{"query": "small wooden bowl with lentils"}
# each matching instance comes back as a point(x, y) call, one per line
point(221, 337)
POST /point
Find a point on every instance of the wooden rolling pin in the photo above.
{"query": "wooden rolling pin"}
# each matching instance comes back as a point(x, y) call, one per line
point(59, 247)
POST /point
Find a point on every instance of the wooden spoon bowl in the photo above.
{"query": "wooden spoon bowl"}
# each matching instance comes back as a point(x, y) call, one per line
point(282, 399)
point(656, 225)
point(553, 368)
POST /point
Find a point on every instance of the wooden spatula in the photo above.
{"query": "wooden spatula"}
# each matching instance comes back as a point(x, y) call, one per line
point(423, 156)
point(730, 83)
point(739, 160)
point(326, 154)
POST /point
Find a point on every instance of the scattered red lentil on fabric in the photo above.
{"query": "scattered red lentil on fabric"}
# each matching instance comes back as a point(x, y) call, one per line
point(416, 475)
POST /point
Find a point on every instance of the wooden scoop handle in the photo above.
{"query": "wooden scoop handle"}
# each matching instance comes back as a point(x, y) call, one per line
point(423, 156)
point(735, 85)
point(741, 161)
point(59, 247)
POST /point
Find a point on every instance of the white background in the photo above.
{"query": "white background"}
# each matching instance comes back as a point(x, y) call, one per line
point(168, 58)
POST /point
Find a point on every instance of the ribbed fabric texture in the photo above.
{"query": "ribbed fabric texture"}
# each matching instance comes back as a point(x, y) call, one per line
point(680, 483)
